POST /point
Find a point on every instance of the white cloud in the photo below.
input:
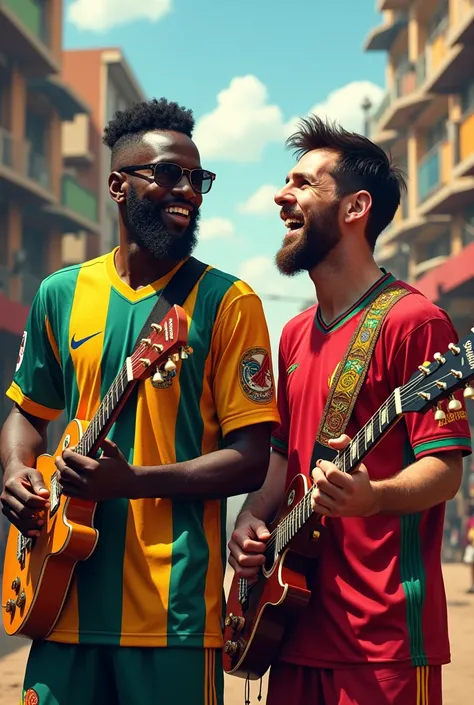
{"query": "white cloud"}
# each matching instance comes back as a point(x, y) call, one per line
point(242, 124)
point(344, 105)
point(102, 15)
point(216, 229)
point(261, 202)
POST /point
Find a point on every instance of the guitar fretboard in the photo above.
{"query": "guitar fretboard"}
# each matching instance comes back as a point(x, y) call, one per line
point(346, 460)
point(102, 416)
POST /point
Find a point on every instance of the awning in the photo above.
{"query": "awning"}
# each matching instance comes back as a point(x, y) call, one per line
point(63, 97)
point(455, 272)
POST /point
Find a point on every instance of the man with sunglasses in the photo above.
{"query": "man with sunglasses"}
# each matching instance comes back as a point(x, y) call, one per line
point(142, 620)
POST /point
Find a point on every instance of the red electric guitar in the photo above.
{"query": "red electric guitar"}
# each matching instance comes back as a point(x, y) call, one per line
point(37, 572)
point(258, 615)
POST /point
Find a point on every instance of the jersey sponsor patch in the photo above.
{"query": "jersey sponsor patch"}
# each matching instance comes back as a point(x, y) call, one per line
point(255, 375)
point(21, 351)
point(31, 697)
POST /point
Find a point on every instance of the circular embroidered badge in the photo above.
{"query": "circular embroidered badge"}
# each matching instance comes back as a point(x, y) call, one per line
point(255, 376)
point(31, 697)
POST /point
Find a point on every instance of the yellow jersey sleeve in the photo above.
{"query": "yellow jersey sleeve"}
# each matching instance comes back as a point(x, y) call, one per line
point(243, 384)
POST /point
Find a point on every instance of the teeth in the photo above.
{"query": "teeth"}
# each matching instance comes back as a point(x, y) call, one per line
point(177, 209)
point(290, 222)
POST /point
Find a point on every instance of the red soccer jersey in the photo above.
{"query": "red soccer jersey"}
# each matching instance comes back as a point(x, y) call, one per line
point(377, 589)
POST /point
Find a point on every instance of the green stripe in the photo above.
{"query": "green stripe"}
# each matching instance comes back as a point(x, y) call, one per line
point(413, 577)
point(279, 445)
point(100, 578)
point(443, 444)
point(368, 298)
point(190, 558)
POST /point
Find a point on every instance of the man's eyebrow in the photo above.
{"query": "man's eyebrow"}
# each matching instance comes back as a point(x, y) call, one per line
point(301, 175)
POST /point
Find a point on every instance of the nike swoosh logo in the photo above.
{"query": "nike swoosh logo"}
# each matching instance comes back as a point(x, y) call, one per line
point(292, 368)
point(77, 343)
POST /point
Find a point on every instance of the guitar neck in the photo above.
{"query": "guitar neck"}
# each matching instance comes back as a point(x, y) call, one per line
point(346, 460)
point(107, 412)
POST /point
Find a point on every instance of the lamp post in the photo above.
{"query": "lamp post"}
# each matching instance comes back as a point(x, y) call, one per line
point(366, 108)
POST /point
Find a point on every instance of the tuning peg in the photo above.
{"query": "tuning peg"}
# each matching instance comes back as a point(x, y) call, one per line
point(157, 378)
point(439, 358)
point(175, 357)
point(468, 392)
point(156, 327)
point(145, 341)
point(454, 404)
point(183, 354)
point(454, 349)
point(145, 361)
point(169, 365)
point(439, 414)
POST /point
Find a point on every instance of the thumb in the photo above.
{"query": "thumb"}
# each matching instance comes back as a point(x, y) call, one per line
point(340, 442)
point(37, 483)
point(109, 449)
point(261, 530)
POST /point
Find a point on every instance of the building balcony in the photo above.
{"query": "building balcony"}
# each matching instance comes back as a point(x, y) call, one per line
point(66, 101)
point(439, 193)
point(450, 72)
point(384, 5)
point(463, 31)
point(408, 229)
point(401, 105)
point(24, 168)
point(78, 210)
point(428, 264)
point(77, 141)
point(382, 38)
point(464, 147)
point(24, 37)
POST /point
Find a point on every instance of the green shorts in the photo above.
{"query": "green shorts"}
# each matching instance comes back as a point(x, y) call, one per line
point(70, 674)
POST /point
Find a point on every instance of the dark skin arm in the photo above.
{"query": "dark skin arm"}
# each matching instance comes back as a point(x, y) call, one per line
point(24, 494)
point(238, 468)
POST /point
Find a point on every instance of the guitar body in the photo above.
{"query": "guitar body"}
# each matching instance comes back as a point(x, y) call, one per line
point(37, 572)
point(257, 616)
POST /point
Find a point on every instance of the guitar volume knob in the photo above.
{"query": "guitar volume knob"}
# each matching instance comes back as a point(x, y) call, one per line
point(230, 648)
point(21, 599)
point(10, 606)
point(16, 584)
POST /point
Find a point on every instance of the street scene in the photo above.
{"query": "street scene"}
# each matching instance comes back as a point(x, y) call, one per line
point(317, 158)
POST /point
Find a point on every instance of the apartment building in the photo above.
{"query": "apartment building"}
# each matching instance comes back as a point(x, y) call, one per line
point(104, 80)
point(426, 120)
point(40, 200)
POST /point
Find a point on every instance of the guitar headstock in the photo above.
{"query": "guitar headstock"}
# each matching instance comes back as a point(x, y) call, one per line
point(157, 355)
point(440, 379)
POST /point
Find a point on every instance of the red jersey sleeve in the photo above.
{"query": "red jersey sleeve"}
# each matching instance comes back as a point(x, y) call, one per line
point(280, 435)
point(428, 436)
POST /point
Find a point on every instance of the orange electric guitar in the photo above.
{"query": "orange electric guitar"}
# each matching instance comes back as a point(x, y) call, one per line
point(37, 572)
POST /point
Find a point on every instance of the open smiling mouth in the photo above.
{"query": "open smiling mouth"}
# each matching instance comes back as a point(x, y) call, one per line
point(180, 215)
point(293, 225)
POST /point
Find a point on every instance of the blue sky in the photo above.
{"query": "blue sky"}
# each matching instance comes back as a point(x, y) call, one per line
point(247, 70)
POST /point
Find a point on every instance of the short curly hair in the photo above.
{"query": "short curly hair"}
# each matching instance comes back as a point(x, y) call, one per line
point(126, 128)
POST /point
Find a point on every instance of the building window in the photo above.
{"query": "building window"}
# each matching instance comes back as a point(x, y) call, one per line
point(467, 231)
point(437, 133)
point(467, 98)
point(440, 247)
point(439, 22)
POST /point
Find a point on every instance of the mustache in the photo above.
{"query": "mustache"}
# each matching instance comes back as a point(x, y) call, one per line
point(291, 213)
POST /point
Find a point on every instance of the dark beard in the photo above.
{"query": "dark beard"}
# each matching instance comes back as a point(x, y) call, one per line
point(146, 229)
point(318, 238)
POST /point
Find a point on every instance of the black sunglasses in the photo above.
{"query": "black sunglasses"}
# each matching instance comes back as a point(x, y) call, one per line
point(167, 175)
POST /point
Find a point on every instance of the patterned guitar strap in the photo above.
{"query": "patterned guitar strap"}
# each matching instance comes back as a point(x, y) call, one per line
point(351, 371)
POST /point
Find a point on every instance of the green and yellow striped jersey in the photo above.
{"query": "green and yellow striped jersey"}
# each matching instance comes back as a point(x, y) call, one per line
point(155, 578)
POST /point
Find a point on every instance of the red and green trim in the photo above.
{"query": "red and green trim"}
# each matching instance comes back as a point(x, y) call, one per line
point(440, 444)
point(359, 305)
point(279, 446)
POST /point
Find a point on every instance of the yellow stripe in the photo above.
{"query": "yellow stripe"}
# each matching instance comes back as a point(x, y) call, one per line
point(206, 677)
point(418, 688)
point(427, 688)
point(88, 316)
point(149, 541)
point(31, 407)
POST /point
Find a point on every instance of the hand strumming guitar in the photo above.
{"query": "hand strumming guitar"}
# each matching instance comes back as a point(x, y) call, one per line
point(106, 477)
point(247, 545)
